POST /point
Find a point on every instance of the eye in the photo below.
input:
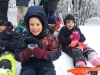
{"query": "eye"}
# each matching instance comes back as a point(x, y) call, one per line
point(38, 24)
point(31, 24)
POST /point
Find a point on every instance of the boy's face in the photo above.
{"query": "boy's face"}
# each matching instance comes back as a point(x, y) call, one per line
point(70, 24)
point(2, 28)
point(35, 26)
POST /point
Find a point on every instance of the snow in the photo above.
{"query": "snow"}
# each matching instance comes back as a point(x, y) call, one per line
point(90, 30)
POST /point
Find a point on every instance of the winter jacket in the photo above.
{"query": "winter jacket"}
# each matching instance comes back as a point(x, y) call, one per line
point(10, 39)
point(21, 28)
point(47, 42)
point(64, 36)
point(22, 2)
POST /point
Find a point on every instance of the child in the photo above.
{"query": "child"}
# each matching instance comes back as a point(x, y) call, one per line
point(21, 28)
point(8, 39)
point(72, 40)
point(8, 43)
point(37, 61)
point(55, 23)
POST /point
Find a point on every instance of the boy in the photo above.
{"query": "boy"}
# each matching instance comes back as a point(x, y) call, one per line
point(37, 61)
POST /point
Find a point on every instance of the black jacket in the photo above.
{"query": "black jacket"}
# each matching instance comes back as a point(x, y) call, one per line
point(10, 39)
point(64, 36)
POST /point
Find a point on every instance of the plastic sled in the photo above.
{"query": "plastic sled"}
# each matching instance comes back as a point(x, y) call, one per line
point(7, 65)
point(85, 71)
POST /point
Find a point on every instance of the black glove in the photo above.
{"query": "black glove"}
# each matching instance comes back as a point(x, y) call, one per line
point(51, 31)
point(32, 40)
point(29, 40)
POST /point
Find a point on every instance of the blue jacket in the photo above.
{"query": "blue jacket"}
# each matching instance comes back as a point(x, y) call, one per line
point(22, 2)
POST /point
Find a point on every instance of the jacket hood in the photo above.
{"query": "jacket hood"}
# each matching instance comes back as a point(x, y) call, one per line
point(35, 11)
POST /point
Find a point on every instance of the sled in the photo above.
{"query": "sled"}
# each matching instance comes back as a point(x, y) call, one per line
point(10, 67)
point(85, 71)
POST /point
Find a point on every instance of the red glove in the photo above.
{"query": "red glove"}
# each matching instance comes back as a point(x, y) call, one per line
point(73, 43)
point(40, 53)
point(75, 35)
point(81, 45)
point(25, 54)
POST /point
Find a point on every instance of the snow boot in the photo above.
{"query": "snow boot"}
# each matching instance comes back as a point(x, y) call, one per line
point(94, 59)
point(80, 63)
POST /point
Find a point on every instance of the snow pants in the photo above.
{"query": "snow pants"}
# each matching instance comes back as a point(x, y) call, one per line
point(4, 7)
point(50, 5)
point(77, 54)
point(38, 69)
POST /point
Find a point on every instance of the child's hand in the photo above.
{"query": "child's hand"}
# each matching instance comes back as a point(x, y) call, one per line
point(29, 40)
point(75, 35)
point(73, 43)
point(82, 46)
point(25, 54)
point(40, 53)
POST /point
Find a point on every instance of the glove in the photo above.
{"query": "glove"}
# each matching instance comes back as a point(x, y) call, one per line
point(40, 53)
point(29, 40)
point(75, 35)
point(51, 31)
point(25, 54)
point(81, 45)
point(73, 43)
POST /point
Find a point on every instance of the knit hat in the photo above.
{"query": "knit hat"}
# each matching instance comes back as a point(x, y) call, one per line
point(3, 20)
point(69, 17)
point(52, 18)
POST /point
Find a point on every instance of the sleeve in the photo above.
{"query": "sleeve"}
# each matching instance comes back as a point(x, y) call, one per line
point(20, 48)
point(17, 53)
point(82, 37)
point(55, 50)
point(14, 41)
point(62, 38)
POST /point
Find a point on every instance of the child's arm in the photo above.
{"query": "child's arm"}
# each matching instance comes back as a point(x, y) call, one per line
point(55, 50)
point(52, 52)
point(62, 38)
point(12, 44)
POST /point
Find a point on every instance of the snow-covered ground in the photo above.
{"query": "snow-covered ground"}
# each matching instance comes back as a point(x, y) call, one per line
point(90, 30)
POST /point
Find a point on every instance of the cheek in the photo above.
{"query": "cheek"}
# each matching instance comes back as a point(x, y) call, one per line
point(40, 28)
point(66, 26)
point(30, 28)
